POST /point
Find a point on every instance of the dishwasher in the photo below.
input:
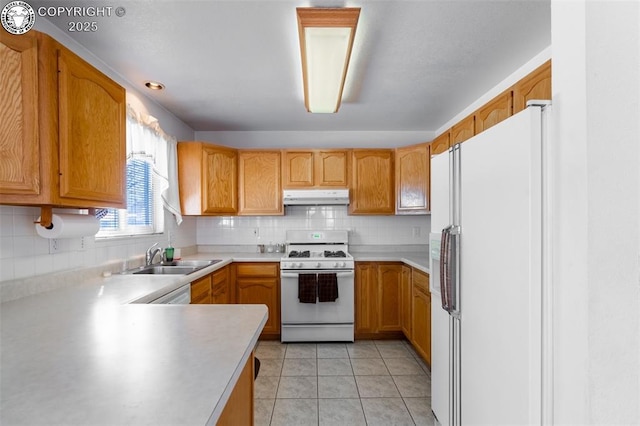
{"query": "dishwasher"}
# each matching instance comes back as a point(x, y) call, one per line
point(179, 296)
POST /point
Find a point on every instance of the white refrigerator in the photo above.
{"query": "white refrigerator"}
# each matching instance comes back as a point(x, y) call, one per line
point(486, 275)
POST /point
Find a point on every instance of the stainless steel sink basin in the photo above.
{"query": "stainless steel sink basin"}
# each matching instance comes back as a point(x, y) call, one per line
point(177, 267)
point(166, 270)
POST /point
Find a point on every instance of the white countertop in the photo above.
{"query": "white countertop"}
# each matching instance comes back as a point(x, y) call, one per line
point(96, 353)
point(417, 260)
point(82, 355)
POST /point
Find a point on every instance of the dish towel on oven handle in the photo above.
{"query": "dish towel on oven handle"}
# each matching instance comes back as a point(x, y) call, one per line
point(307, 288)
point(327, 287)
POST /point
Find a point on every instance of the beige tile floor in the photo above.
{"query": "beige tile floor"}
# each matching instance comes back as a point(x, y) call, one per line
point(362, 383)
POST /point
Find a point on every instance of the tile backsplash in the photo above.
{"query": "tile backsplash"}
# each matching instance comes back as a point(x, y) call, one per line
point(23, 253)
point(366, 230)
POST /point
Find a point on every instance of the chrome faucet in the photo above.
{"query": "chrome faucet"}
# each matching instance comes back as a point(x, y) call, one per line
point(150, 254)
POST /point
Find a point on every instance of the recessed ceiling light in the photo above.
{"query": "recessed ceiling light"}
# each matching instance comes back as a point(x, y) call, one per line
point(154, 85)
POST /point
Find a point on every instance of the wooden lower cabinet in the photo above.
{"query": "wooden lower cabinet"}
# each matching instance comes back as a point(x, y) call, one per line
point(239, 407)
point(389, 287)
point(406, 301)
point(259, 283)
point(377, 298)
point(201, 290)
point(421, 315)
point(366, 299)
point(220, 286)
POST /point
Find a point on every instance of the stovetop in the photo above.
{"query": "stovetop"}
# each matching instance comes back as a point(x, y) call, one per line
point(316, 254)
point(317, 250)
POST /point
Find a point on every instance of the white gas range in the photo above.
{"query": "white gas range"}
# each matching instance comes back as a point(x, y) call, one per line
point(317, 287)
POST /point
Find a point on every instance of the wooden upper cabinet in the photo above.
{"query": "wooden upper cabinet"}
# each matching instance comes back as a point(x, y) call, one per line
point(208, 179)
point(440, 144)
point(412, 179)
point(498, 109)
point(463, 130)
point(372, 181)
point(536, 85)
point(62, 129)
point(297, 169)
point(332, 168)
point(19, 145)
point(315, 168)
point(259, 185)
point(91, 112)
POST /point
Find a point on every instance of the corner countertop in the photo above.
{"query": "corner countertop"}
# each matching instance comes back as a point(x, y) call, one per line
point(83, 355)
point(417, 260)
point(97, 353)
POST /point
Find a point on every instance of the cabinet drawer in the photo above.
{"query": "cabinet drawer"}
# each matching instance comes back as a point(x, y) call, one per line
point(201, 290)
point(421, 281)
point(257, 269)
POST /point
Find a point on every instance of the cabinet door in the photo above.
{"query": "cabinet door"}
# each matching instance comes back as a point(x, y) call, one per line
point(372, 181)
point(259, 283)
point(498, 109)
point(201, 290)
point(220, 180)
point(220, 286)
point(239, 407)
point(440, 144)
point(261, 291)
point(463, 130)
point(260, 188)
point(366, 298)
point(19, 145)
point(297, 169)
point(412, 179)
point(421, 313)
point(389, 279)
point(91, 111)
point(332, 168)
point(405, 302)
point(536, 85)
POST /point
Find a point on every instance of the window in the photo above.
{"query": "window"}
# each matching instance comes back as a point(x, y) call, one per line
point(152, 181)
point(143, 214)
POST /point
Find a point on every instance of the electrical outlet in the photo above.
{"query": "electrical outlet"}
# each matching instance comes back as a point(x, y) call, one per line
point(54, 245)
point(416, 232)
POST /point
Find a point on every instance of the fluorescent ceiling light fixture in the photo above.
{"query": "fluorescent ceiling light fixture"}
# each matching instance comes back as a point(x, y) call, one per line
point(326, 39)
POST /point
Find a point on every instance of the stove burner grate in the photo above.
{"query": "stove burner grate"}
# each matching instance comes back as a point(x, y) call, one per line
point(296, 253)
point(338, 253)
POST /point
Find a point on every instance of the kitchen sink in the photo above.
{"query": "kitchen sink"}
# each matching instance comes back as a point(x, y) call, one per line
point(177, 267)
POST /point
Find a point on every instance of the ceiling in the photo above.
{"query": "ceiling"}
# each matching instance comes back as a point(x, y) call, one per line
point(235, 65)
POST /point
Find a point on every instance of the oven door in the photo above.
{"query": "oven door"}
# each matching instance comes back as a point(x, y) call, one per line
point(339, 312)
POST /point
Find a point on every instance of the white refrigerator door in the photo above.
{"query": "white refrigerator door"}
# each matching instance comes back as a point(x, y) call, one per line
point(439, 318)
point(500, 273)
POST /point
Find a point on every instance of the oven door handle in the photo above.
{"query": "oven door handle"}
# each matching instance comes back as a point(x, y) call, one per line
point(341, 274)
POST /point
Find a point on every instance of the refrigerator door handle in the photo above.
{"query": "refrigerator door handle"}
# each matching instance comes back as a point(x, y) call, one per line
point(446, 268)
point(443, 268)
point(453, 275)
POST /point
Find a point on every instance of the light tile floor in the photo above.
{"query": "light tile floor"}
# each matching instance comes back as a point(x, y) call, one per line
point(381, 382)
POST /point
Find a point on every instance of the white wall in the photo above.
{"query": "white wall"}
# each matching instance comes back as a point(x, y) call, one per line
point(370, 230)
point(596, 211)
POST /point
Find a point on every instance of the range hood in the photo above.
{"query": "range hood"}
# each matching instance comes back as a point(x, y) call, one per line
point(315, 197)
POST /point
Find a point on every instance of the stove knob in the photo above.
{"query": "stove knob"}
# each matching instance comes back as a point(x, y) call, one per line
point(344, 264)
point(335, 265)
point(300, 265)
point(318, 265)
